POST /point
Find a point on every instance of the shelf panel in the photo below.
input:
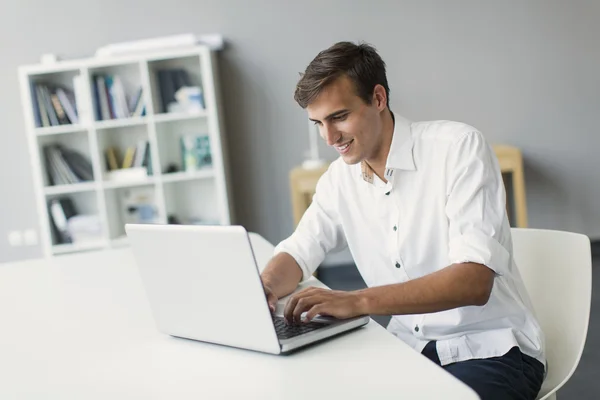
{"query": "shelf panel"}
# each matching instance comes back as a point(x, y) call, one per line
point(71, 188)
point(120, 123)
point(75, 247)
point(168, 117)
point(59, 129)
point(188, 176)
point(129, 183)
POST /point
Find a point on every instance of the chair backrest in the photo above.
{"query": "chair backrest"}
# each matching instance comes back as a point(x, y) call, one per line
point(556, 268)
point(263, 249)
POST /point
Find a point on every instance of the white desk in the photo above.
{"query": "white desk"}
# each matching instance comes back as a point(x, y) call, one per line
point(79, 327)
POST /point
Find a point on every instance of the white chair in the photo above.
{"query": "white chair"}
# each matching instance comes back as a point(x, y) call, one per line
point(556, 268)
point(263, 249)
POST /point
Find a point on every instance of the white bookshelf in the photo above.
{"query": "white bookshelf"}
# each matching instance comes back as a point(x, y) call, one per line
point(197, 196)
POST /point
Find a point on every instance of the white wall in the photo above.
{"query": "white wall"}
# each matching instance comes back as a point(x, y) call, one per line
point(525, 73)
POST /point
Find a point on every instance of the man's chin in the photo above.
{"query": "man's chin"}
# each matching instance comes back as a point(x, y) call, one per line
point(350, 160)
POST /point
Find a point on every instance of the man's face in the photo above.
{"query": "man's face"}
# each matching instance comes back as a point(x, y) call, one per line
point(346, 122)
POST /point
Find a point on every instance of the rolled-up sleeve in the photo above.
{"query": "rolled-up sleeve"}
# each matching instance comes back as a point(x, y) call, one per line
point(476, 204)
point(319, 230)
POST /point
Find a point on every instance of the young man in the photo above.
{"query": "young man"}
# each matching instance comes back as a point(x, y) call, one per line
point(421, 205)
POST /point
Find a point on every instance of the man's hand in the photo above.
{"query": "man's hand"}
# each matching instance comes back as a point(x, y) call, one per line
point(271, 298)
point(325, 302)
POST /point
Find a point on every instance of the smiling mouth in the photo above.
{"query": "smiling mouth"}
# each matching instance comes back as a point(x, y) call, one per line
point(344, 148)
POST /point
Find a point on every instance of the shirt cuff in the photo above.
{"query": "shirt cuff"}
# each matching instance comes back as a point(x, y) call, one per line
point(306, 270)
point(479, 248)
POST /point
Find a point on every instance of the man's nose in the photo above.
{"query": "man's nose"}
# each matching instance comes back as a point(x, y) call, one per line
point(330, 134)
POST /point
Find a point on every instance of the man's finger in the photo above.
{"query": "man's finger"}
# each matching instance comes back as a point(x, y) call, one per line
point(288, 311)
point(314, 311)
point(272, 300)
point(304, 304)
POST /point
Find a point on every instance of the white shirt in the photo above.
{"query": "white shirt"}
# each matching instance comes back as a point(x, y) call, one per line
point(444, 203)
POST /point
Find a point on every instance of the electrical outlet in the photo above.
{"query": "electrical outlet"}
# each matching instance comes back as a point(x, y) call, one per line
point(30, 237)
point(15, 238)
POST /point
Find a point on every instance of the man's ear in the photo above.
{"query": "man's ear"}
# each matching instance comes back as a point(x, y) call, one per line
point(379, 97)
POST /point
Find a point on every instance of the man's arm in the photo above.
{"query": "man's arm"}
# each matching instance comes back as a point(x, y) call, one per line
point(318, 232)
point(459, 285)
point(280, 278)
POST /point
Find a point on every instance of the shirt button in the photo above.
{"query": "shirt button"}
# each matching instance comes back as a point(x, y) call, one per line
point(387, 193)
point(417, 328)
point(395, 228)
point(398, 265)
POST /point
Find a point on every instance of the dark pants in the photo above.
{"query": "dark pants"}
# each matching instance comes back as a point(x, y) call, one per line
point(512, 376)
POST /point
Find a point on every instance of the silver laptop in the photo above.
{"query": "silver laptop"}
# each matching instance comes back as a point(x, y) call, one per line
point(203, 283)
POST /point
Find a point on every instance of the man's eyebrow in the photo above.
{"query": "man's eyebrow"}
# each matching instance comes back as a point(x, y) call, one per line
point(332, 115)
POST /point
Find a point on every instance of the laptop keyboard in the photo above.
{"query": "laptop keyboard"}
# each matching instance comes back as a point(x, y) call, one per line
point(285, 331)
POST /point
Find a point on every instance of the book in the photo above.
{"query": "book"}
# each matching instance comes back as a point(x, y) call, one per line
point(128, 158)
point(68, 105)
point(61, 209)
point(140, 153)
point(54, 177)
point(42, 106)
point(35, 105)
point(80, 166)
point(58, 174)
point(63, 168)
point(49, 107)
point(108, 83)
point(147, 161)
point(121, 99)
point(195, 152)
point(167, 89)
point(97, 99)
point(78, 96)
point(140, 108)
point(104, 108)
point(112, 158)
point(60, 112)
point(180, 78)
point(137, 100)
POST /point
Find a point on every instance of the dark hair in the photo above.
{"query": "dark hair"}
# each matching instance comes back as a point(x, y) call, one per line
point(359, 62)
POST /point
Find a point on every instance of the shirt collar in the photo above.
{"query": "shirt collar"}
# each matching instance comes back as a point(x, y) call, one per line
point(401, 151)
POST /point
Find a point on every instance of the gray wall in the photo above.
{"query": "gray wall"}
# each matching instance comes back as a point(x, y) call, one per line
point(524, 74)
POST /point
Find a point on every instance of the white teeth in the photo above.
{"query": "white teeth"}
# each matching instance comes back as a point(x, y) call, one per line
point(344, 147)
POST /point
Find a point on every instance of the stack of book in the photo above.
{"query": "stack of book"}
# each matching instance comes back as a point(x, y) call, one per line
point(69, 226)
point(65, 166)
point(111, 100)
point(135, 157)
point(195, 152)
point(53, 105)
point(173, 95)
point(84, 228)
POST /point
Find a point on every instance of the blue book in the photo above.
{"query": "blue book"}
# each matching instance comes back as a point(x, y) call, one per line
point(97, 100)
point(36, 106)
point(108, 81)
point(167, 88)
point(49, 107)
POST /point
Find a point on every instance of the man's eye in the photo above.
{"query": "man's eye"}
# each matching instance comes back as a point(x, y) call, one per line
point(340, 117)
